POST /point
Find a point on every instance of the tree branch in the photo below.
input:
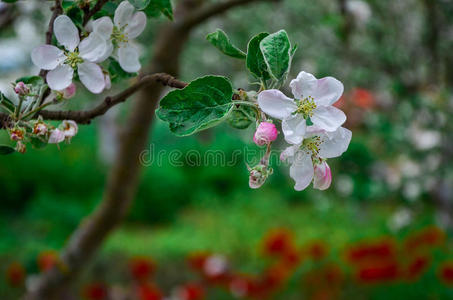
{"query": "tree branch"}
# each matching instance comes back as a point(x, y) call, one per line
point(85, 116)
point(204, 13)
point(97, 7)
point(57, 10)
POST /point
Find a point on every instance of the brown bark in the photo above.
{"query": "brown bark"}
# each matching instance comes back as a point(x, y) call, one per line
point(124, 176)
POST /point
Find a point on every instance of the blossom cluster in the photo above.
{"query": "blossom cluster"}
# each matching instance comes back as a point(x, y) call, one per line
point(82, 56)
point(310, 124)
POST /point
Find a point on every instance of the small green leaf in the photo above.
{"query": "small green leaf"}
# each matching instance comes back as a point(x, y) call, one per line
point(6, 102)
point(293, 50)
point(5, 150)
point(33, 80)
point(116, 72)
point(38, 142)
point(221, 41)
point(157, 7)
point(204, 103)
point(140, 4)
point(276, 53)
point(240, 117)
point(255, 60)
point(76, 15)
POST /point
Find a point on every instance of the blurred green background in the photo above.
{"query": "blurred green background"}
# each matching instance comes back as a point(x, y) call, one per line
point(395, 59)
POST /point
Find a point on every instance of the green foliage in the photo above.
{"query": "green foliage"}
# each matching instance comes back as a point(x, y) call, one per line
point(276, 52)
point(6, 102)
point(221, 41)
point(240, 118)
point(157, 7)
point(255, 60)
point(116, 72)
point(5, 150)
point(140, 4)
point(205, 102)
point(33, 80)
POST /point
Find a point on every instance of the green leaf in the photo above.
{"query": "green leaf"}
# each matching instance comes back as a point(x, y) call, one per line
point(255, 60)
point(116, 72)
point(276, 52)
point(239, 117)
point(221, 41)
point(38, 142)
point(204, 103)
point(140, 4)
point(33, 80)
point(5, 150)
point(6, 102)
point(157, 7)
point(76, 15)
point(293, 50)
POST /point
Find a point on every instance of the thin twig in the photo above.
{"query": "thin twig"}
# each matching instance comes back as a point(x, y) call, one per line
point(97, 7)
point(57, 10)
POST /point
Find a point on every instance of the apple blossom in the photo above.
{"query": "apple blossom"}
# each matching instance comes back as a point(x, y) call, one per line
point(69, 128)
point(21, 89)
point(70, 91)
point(308, 158)
point(126, 26)
point(56, 136)
point(313, 100)
point(20, 147)
point(265, 133)
point(78, 56)
point(40, 128)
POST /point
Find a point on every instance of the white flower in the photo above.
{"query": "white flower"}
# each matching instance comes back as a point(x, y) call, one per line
point(77, 56)
point(69, 128)
point(118, 35)
point(308, 158)
point(56, 136)
point(313, 99)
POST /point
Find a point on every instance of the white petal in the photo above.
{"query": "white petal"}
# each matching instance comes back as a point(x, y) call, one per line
point(328, 118)
point(60, 78)
point(322, 176)
point(294, 129)
point(66, 32)
point(328, 91)
point(107, 52)
point(334, 143)
point(304, 85)
point(93, 47)
point(56, 136)
point(276, 104)
point(136, 25)
point(288, 153)
point(123, 14)
point(47, 57)
point(92, 77)
point(103, 26)
point(301, 170)
point(128, 58)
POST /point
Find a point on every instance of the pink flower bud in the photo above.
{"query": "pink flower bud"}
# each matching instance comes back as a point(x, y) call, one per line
point(56, 136)
point(265, 133)
point(40, 128)
point(70, 91)
point(258, 175)
point(70, 128)
point(21, 89)
point(322, 177)
point(20, 147)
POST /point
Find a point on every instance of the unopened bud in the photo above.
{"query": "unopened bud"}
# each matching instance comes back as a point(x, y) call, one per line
point(16, 134)
point(258, 175)
point(21, 89)
point(265, 133)
point(69, 92)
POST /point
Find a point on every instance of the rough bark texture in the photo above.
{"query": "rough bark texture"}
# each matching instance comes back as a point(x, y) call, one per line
point(124, 176)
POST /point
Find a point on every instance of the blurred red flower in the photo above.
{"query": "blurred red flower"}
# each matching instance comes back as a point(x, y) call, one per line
point(47, 259)
point(424, 239)
point(384, 249)
point(190, 291)
point(278, 242)
point(95, 291)
point(417, 266)
point(141, 268)
point(15, 274)
point(147, 291)
point(316, 250)
point(446, 272)
point(378, 271)
point(243, 286)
